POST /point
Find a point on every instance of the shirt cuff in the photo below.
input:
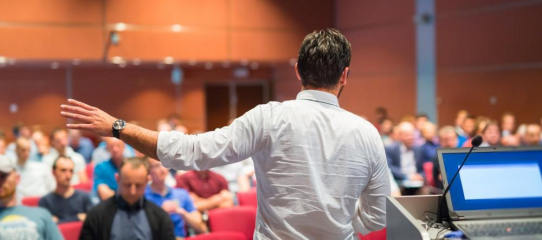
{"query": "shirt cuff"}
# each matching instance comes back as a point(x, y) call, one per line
point(164, 149)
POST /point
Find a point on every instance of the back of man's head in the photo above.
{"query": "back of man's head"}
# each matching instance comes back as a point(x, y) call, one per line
point(323, 56)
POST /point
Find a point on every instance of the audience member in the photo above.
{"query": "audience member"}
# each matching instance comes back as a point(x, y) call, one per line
point(128, 215)
point(385, 130)
point(431, 142)
point(59, 141)
point(21, 222)
point(532, 135)
point(174, 120)
point(419, 122)
point(36, 178)
point(481, 123)
point(66, 204)
point(101, 154)
point(459, 119)
point(163, 125)
point(508, 124)
point(491, 135)
point(105, 183)
point(510, 141)
point(2, 143)
point(175, 201)
point(81, 144)
point(21, 131)
point(467, 128)
point(43, 145)
point(381, 114)
point(207, 189)
point(404, 159)
point(448, 139)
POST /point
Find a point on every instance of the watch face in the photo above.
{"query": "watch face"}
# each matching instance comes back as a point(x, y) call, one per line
point(119, 125)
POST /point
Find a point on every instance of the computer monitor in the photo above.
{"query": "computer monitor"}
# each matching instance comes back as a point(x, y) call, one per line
point(494, 182)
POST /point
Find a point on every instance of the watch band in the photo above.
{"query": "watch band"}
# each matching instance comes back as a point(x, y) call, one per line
point(116, 133)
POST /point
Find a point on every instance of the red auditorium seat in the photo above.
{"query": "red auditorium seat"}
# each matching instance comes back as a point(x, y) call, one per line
point(378, 235)
point(240, 219)
point(87, 187)
point(70, 230)
point(218, 236)
point(428, 169)
point(248, 198)
point(31, 201)
point(90, 171)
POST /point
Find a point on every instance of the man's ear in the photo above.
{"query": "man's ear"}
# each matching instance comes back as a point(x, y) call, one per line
point(297, 72)
point(344, 76)
point(117, 177)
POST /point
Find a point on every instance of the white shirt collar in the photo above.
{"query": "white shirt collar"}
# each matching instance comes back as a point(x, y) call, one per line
point(318, 96)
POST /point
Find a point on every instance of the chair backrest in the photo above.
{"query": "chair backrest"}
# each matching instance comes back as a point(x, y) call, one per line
point(87, 187)
point(31, 201)
point(70, 230)
point(248, 198)
point(428, 169)
point(240, 219)
point(90, 171)
point(219, 235)
point(378, 235)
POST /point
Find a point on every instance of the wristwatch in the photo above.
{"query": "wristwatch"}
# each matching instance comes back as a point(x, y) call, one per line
point(118, 126)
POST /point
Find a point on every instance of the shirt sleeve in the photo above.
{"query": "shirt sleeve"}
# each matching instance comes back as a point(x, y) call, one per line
point(234, 143)
point(87, 203)
point(371, 206)
point(188, 205)
point(98, 177)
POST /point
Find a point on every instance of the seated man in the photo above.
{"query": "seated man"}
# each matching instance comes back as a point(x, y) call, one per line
point(66, 204)
point(174, 201)
point(532, 135)
point(36, 178)
point(21, 222)
point(448, 139)
point(80, 144)
point(128, 215)
point(404, 159)
point(208, 189)
point(105, 184)
point(59, 141)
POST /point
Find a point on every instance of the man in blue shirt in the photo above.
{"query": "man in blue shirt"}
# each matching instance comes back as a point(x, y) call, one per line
point(176, 202)
point(105, 184)
point(80, 144)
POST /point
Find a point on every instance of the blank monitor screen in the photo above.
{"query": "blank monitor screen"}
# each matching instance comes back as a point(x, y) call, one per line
point(495, 180)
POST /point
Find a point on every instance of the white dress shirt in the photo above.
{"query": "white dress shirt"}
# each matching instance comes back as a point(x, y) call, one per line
point(36, 180)
point(322, 171)
point(408, 161)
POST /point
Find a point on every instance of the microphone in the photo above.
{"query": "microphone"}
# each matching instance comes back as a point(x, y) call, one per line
point(476, 141)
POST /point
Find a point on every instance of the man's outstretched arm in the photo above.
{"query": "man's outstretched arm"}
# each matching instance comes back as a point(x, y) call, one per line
point(99, 122)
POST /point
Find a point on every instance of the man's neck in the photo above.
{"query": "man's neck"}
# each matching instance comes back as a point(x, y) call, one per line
point(334, 91)
point(159, 187)
point(61, 151)
point(8, 202)
point(64, 191)
point(21, 162)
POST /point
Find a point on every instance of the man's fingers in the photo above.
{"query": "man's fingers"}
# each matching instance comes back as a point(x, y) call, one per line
point(79, 126)
point(77, 110)
point(80, 104)
point(77, 117)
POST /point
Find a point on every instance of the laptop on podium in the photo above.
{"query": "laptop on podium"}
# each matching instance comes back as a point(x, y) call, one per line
point(498, 192)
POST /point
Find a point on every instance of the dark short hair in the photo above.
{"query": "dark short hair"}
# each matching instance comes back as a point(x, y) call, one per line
point(323, 55)
point(62, 157)
point(135, 162)
point(55, 131)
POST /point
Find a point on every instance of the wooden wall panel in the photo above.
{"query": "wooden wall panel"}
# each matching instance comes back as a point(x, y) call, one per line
point(372, 13)
point(58, 11)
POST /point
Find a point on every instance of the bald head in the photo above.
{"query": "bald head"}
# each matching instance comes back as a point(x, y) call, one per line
point(22, 150)
point(532, 135)
point(405, 131)
point(116, 148)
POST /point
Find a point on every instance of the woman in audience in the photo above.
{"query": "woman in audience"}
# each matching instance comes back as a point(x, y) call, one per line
point(491, 135)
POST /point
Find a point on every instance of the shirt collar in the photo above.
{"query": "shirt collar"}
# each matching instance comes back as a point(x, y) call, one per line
point(318, 96)
point(122, 204)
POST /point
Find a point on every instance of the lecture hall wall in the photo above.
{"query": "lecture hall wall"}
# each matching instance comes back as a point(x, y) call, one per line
point(485, 49)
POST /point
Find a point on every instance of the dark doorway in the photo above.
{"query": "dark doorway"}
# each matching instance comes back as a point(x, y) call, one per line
point(226, 101)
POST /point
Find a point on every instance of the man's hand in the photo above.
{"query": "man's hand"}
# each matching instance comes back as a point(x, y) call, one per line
point(88, 117)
